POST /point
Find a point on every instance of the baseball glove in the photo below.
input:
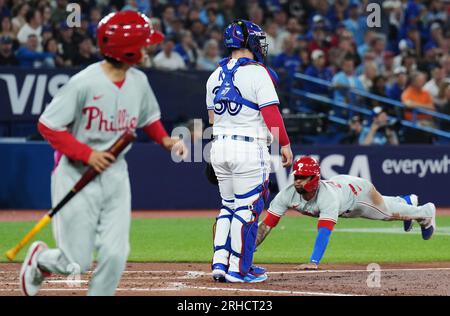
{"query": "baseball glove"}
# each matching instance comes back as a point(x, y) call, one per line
point(210, 174)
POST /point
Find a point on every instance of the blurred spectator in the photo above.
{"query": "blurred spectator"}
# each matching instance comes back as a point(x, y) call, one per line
point(85, 55)
point(7, 57)
point(443, 105)
point(344, 49)
point(168, 59)
point(345, 80)
point(387, 69)
point(4, 11)
point(33, 26)
point(183, 12)
point(368, 77)
point(319, 40)
point(369, 36)
point(288, 61)
point(210, 57)
point(318, 70)
point(436, 36)
point(199, 33)
point(51, 46)
point(6, 28)
point(379, 86)
point(380, 132)
point(368, 58)
point(46, 13)
point(356, 24)
point(167, 19)
point(211, 16)
point(68, 47)
point(293, 27)
point(409, 61)
point(355, 126)
point(416, 97)
point(95, 16)
point(413, 35)
point(280, 18)
point(379, 89)
point(59, 14)
point(188, 50)
point(436, 13)
point(394, 91)
point(231, 10)
point(404, 47)
point(29, 57)
point(19, 13)
point(142, 6)
point(378, 46)
point(432, 86)
point(273, 38)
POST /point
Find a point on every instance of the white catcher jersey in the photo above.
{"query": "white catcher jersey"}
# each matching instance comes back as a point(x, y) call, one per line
point(253, 82)
point(334, 197)
point(96, 111)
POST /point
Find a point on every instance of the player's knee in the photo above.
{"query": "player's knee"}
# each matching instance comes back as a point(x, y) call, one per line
point(228, 204)
point(114, 254)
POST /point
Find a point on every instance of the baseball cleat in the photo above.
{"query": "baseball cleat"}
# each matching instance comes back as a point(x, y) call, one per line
point(31, 276)
point(236, 277)
point(411, 199)
point(218, 272)
point(257, 271)
point(429, 226)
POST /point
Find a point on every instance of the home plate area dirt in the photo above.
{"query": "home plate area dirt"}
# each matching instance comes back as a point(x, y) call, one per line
point(193, 279)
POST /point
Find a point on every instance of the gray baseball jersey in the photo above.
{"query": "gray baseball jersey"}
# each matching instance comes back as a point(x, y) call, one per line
point(96, 111)
point(333, 198)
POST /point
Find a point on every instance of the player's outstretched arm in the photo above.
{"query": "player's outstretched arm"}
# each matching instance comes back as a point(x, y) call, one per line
point(263, 231)
point(325, 228)
point(264, 228)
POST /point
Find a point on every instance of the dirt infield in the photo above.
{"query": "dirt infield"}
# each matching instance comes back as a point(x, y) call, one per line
point(190, 279)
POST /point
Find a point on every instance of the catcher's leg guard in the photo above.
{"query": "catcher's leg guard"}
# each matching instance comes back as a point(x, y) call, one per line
point(244, 230)
point(221, 234)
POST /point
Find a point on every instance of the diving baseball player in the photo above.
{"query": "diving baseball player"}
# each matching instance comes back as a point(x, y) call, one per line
point(85, 117)
point(341, 196)
point(242, 105)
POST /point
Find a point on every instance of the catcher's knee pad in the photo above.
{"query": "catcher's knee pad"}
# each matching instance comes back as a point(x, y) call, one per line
point(248, 216)
point(221, 229)
point(249, 230)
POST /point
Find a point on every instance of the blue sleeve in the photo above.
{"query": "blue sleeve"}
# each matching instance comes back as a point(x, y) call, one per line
point(321, 244)
point(363, 135)
point(31, 55)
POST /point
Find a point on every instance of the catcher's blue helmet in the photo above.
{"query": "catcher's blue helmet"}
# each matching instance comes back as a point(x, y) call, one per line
point(245, 34)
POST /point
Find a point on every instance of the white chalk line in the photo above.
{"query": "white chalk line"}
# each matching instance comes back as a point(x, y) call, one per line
point(182, 286)
point(267, 291)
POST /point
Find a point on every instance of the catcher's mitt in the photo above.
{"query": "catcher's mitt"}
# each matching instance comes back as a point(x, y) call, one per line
point(210, 174)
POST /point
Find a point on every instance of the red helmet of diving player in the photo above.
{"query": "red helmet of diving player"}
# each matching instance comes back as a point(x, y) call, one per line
point(305, 167)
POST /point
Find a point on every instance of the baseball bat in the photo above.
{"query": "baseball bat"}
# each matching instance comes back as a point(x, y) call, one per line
point(124, 140)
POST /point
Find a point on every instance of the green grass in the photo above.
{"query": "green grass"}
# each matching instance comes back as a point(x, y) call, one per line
point(189, 240)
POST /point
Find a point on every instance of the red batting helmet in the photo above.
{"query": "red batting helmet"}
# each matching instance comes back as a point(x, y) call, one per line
point(308, 166)
point(121, 35)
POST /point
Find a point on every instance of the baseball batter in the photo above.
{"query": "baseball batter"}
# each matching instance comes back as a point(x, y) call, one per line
point(85, 117)
point(243, 107)
point(341, 196)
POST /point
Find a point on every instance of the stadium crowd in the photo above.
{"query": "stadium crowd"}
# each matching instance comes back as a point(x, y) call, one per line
point(406, 58)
